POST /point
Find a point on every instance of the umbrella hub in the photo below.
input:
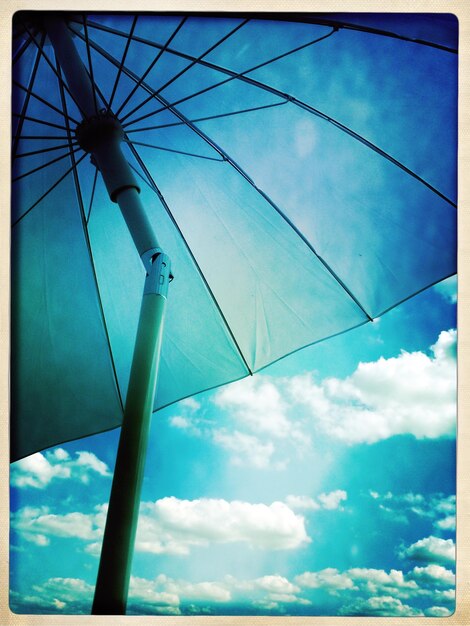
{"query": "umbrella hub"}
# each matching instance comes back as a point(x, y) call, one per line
point(99, 130)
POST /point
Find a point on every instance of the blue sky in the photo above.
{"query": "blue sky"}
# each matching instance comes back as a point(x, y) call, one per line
point(323, 485)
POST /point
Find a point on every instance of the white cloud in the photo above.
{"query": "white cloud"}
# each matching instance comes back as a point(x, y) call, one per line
point(432, 550)
point(38, 525)
point(245, 449)
point(380, 606)
point(330, 501)
point(437, 611)
point(180, 422)
point(410, 394)
point(190, 403)
point(39, 470)
point(448, 289)
point(447, 523)
point(263, 434)
point(258, 405)
point(401, 507)
point(173, 526)
point(433, 574)
point(330, 579)
point(276, 584)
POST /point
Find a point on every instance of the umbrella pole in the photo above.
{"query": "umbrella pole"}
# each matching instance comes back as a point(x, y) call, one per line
point(101, 134)
point(118, 542)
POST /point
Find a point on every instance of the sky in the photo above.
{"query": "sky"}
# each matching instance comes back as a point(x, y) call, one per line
point(325, 483)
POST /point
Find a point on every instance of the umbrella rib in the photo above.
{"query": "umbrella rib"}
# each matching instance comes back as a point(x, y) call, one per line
point(43, 150)
point(27, 98)
point(233, 76)
point(90, 65)
point(51, 188)
point(151, 66)
point(38, 121)
point(21, 51)
point(126, 49)
point(88, 243)
point(192, 154)
point(92, 195)
point(44, 165)
point(52, 137)
point(208, 117)
point(188, 67)
point(316, 21)
point(29, 91)
point(152, 184)
point(227, 158)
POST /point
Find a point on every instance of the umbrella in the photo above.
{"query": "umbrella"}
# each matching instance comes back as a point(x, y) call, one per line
point(291, 201)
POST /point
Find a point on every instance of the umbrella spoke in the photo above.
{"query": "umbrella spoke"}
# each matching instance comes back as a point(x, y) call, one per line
point(192, 154)
point(87, 239)
point(318, 21)
point(46, 193)
point(188, 67)
point(21, 51)
point(208, 117)
point(44, 165)
point(27, 98)
point(167, 209)
point(151, 66)
point(39, 121)
point(29, 91)
point(64, 146)
point(126, 49)
point(90, 206)
point(90, 64)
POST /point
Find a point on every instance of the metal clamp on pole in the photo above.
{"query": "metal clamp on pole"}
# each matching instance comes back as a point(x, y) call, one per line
point(158, 275)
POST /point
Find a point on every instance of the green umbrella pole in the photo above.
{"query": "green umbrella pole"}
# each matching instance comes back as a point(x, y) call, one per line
point(116, 554)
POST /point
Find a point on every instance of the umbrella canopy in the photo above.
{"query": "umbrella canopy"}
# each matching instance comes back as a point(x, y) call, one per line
point(296, 198)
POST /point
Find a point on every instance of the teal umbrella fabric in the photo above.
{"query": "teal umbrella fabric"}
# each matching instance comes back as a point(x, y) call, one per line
point(300, 172)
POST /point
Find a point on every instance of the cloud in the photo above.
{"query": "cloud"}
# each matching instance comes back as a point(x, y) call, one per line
point(433, 574)
point(56, 595)
point(258, 405)
point(437, 611)
point(270, 420)
point(431, 550)
point(173, 526)
point(245, 448)
point(402, 507)
point(330, 579)
point(410, 394)
point(37, 525)
point(328, 501)
point(358, 591)
point(39, 470)
point(448, 289)
point(380, 606)
point(262, 433)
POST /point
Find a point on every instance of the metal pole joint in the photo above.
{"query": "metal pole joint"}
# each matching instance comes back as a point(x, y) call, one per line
point(159, 275)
